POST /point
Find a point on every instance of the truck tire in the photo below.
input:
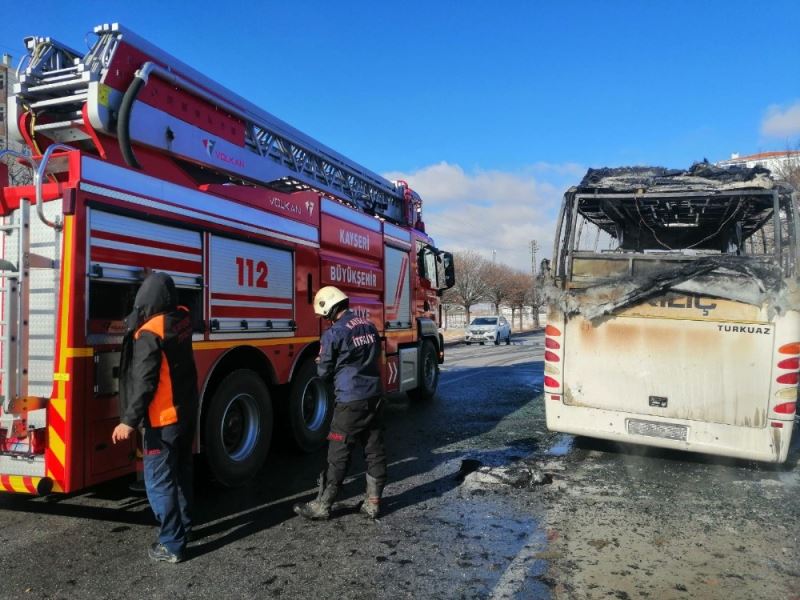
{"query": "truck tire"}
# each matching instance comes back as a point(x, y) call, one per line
point(310, 408)
point(428, 374)
point(237, 428)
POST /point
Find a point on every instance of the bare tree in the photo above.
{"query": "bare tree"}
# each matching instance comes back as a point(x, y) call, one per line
point(470, 287)
point(19, 173)
point(789, 169)
point(520, 290)
point(498, 283)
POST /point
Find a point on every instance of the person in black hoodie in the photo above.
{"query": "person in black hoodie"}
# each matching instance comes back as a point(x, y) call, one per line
point(158, 390)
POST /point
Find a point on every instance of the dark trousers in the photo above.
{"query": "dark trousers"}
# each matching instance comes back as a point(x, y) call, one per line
point(359, 422)
point(168, 480)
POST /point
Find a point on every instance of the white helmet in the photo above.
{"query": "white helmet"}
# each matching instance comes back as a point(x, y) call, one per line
point(327, 299)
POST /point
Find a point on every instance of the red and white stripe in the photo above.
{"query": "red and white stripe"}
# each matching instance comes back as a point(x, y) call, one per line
point(244, 306)
point(118, 240)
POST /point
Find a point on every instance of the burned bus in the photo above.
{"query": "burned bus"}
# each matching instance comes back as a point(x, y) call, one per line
point(674, 311)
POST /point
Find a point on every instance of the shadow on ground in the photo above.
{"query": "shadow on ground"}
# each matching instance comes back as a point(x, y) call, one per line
point(420, 438)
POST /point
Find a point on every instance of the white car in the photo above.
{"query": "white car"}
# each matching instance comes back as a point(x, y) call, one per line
point(488, 329)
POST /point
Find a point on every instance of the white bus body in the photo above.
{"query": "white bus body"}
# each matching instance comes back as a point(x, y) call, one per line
point(652, 343)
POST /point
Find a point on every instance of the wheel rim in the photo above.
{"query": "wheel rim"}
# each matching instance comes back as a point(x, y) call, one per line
point(240, 427)
point(314, 404)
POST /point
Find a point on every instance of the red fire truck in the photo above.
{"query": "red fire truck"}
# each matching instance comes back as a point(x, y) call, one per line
point(141, 163)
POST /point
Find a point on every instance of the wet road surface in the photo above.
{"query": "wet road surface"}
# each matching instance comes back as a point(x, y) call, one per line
point(434, 540)
point(482, 502)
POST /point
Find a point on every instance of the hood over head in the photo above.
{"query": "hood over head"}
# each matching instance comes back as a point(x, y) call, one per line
point(156, 295)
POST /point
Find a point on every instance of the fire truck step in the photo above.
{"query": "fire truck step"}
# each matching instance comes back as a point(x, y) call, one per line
point(27, 466)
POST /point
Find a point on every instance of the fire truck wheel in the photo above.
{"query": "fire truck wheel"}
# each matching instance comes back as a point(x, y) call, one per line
point(237, 428)
point(428, 377)
point(310, 408)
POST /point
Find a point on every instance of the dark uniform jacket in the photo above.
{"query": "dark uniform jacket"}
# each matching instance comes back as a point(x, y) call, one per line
point(158, 378)
point(350, 354)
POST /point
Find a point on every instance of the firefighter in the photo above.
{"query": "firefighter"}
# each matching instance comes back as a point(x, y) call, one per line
point(349, 355)
point(158, 390)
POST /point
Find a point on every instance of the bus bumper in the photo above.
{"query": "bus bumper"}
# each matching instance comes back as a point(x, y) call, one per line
point(769, 443)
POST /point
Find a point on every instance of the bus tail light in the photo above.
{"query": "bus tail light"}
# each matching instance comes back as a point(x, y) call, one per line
point(790, 363)
point(787, 408)
point(550, 382)
point(551, 330)
point(551, 356)
point(793, 348)
point(788, 378)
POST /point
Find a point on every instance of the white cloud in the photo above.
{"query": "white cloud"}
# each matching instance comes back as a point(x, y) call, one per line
point(488, 211)
point(781, 121)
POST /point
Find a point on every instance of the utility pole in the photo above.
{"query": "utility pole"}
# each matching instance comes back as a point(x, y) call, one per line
point(535, 297)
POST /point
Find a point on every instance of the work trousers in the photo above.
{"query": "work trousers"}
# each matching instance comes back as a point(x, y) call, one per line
point(357, 423)
point(168, 481)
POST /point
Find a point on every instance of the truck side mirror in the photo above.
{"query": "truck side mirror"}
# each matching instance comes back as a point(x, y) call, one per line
point(449, 270)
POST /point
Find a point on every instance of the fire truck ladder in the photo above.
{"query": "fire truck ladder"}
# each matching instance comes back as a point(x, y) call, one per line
point(55, 82)
point(30, 276)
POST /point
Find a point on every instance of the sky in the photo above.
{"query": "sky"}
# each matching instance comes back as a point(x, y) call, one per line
point(490, 110)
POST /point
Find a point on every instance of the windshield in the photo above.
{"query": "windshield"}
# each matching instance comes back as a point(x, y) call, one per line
point(484, 321)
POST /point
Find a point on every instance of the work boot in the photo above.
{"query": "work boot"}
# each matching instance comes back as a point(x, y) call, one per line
point(372, 501)
point(319, 509)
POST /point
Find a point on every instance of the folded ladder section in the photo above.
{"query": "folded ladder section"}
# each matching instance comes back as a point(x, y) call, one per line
point(57, 84)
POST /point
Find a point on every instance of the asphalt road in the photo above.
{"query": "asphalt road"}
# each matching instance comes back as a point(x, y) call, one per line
point(434, 540)
point(482, 502)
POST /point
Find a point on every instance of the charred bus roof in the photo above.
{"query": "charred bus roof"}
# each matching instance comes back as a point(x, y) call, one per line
point(705, 207)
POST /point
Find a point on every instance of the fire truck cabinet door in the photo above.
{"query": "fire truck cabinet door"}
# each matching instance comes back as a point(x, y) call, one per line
point(251, 288)
point(121, 247)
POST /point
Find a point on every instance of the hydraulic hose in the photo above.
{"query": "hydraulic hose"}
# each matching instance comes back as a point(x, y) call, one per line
point(124, 117)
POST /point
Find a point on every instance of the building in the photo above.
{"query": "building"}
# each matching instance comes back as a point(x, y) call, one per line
point(778, 162)
point(6, 82)
point(17, 174)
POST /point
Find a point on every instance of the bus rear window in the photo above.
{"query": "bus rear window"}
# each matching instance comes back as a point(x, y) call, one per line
point(705, 211)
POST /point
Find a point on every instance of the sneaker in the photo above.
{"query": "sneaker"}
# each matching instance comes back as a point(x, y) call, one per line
point(159, 552)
